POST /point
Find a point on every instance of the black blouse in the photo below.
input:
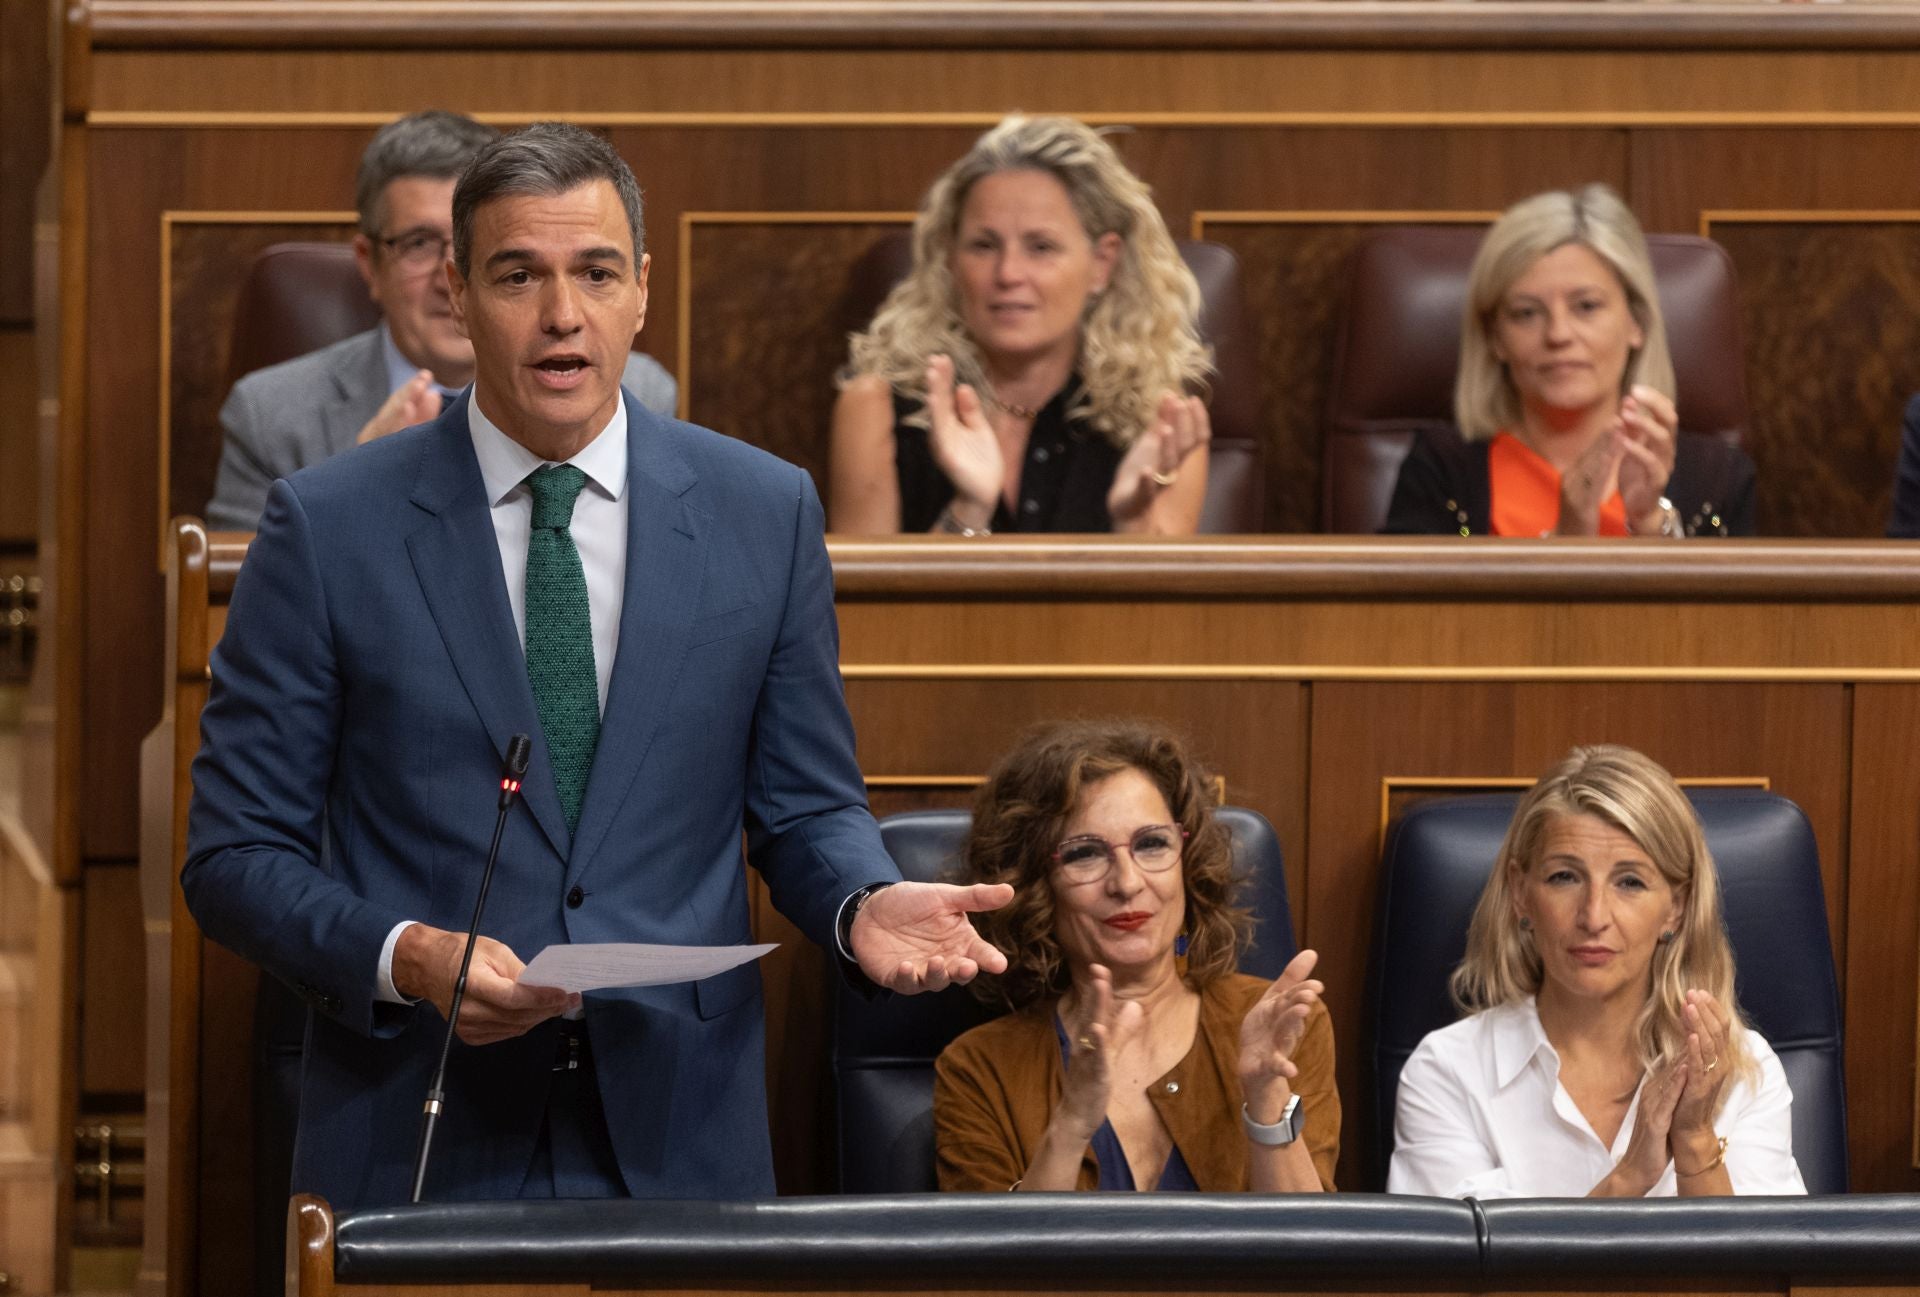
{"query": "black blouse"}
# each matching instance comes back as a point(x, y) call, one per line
point(1063, 484)
point(1444, 488)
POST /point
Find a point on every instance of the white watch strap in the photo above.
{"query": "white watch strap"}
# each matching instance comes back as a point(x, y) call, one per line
point(1280, 1133)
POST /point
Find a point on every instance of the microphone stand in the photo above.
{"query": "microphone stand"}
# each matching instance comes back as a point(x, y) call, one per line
point(513, 770)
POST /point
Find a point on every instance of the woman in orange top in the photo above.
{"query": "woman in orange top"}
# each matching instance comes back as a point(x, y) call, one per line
point(1565, 396)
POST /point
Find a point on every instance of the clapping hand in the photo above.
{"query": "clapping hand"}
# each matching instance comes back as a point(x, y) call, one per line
point(414, 401)
point(1152, 463)
point(1646, 431)
point(964, 444)
point(1634, 456)
point(1101, 1027)
point(914, 937)
point(1709, 1028)
point(1270, 1033)
point(1649, 1148)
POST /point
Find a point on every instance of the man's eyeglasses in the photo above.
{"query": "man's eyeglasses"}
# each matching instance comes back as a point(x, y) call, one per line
point(1087, 858)
point(417, 251)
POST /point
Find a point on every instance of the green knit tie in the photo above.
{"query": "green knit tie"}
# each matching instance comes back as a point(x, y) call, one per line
point(560, 636)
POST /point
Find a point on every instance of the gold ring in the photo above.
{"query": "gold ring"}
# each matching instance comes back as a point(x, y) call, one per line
point(1711, 1064)
point(1086, 1043)
point(1165, 479)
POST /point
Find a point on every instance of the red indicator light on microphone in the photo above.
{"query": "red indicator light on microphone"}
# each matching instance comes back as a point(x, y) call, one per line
point(510, 785)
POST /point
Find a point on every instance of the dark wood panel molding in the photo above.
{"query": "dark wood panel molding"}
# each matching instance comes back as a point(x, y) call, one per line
point(1178, 24)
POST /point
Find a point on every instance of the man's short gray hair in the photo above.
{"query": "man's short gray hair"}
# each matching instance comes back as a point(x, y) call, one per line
point(544, 159)
point(435, 144)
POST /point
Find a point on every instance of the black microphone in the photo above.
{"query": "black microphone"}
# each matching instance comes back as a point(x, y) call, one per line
point(512, 771)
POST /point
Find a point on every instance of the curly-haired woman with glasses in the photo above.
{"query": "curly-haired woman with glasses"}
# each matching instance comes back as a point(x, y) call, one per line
point(1136, 1057)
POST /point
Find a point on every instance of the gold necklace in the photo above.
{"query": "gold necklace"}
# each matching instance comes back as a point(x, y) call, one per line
point(1028, 412)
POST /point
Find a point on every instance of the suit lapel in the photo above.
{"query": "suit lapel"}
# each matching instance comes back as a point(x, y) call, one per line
point(359, 389)
point(666, 567)
point(456, 557)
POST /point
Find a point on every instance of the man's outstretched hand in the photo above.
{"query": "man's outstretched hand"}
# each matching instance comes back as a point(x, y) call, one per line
point(914, 937)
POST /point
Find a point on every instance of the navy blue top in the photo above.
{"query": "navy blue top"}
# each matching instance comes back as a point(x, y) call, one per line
point(1115, 1173)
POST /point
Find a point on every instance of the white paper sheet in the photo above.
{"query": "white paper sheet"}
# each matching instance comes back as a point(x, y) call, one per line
point(598, 966)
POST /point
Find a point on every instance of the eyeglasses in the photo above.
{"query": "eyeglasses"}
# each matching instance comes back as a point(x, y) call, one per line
point(417, 251)
point(1155, 848)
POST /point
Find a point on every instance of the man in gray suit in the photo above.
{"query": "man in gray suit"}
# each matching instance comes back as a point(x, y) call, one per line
point(282, 418)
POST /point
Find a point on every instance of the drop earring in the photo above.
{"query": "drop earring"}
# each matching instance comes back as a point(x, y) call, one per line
point(1180, 945)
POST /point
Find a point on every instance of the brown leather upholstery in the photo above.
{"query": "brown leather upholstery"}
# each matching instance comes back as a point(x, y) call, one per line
point(1236, 489)
point(1399, 344)
point(298, 297)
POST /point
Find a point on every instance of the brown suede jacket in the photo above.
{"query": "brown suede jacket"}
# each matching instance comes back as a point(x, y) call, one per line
point(995, 1088)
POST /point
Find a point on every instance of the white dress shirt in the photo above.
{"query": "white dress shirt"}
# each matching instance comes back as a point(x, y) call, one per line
point(599, 533)
point(1481, 1113)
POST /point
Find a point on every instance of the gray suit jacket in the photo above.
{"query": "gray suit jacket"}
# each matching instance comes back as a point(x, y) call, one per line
point(285, 417)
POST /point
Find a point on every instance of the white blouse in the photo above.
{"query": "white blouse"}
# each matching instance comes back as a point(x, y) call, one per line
point(1481, 1113)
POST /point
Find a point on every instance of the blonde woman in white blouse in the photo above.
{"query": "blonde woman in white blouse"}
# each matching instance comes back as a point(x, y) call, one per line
point(1604, 1055)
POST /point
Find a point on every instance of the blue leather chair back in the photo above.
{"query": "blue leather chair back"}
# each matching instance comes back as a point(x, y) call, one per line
point(883, 1049)
point(1437, 861)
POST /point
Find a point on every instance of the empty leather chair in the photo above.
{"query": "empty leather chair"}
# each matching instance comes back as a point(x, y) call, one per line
point(883, 1049)
point(1399, 345)
point(298, 297)
point(1236, 487)
point(1436, 863)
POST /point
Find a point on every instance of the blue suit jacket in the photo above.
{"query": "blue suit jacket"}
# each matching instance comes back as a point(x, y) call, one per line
point(363, 695)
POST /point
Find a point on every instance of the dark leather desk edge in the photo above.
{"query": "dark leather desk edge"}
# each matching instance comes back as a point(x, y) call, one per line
point(1064, 1238)
point(1087, 1239)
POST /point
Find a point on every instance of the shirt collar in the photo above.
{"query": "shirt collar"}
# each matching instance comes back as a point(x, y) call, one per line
point(505, 463)
point(400, 370)
point(1518, 1039)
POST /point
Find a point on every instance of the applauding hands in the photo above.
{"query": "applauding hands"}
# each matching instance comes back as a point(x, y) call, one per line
point(1678, 1102)
point(1145, 496)
point(1635, 456)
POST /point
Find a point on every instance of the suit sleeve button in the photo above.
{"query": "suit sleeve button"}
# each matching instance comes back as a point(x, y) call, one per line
point(575, 898)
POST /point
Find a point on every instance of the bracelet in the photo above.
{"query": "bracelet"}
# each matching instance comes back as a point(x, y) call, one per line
point(952, 526)
point(1719, 1157)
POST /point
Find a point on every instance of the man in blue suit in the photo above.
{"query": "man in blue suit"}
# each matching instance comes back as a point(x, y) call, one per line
point(652, 603)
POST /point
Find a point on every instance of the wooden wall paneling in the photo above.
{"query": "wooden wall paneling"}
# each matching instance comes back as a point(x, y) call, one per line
point(1831, 317)
point(19, 439)
point(26, 142)
point(1367, 734)
point(768, 335)
point(112, 1065)
point(134, 177)
point(204, 258)
point(1820, 225)
point(26, 132)
point(766, 375)
point(858, 75)
point(1883, 941)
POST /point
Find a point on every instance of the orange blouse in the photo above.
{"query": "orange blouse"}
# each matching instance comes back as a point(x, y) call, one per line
point(1525, 493)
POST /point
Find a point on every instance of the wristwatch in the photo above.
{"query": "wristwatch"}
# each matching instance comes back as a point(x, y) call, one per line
point(1670, 526)
point(1282, 1132)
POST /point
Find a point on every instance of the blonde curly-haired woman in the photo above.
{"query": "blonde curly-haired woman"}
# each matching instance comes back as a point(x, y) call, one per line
point(1035, 370)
